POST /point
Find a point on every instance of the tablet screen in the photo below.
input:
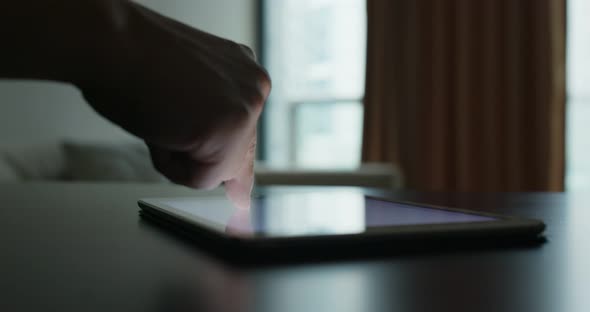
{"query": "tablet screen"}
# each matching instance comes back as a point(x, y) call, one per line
point(303, 214)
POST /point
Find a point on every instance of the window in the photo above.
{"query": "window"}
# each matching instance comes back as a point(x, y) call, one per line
point(578, 90)
point(315, 53)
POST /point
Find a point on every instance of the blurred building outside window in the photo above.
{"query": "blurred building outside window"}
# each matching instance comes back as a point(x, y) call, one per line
point(578, 96)
point(315, 52)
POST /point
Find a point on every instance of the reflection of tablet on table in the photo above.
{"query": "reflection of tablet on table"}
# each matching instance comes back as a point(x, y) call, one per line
point(314, 223)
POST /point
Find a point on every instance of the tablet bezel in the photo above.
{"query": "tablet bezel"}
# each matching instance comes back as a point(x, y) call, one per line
point(504, 226)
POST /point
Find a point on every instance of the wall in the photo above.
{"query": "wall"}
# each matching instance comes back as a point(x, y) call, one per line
point(33, 112)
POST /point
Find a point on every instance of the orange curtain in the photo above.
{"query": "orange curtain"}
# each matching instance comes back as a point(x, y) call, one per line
point(467, 95)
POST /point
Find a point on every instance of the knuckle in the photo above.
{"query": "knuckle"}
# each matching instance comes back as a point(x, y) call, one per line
point(247, 50)
point(257, 88)
point(264, 81)
point(261, 87)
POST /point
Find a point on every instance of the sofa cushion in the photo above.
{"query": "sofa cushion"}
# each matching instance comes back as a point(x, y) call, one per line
point(123, 162)
point(7, 172)
point(36, 162)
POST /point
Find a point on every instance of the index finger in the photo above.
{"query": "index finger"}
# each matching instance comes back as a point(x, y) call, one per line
point(239, 188)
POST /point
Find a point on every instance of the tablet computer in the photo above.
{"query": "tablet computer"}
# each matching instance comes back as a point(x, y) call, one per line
point(294, 224)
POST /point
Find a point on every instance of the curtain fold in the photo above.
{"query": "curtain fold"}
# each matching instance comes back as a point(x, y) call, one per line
point(467, 95)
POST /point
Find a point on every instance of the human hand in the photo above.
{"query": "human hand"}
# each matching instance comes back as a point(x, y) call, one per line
point(194, 98)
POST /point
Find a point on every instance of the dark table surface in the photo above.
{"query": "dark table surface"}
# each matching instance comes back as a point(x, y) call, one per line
point(82, 247)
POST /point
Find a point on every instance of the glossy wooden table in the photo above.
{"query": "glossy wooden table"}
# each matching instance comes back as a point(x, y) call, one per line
point(83, 248)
